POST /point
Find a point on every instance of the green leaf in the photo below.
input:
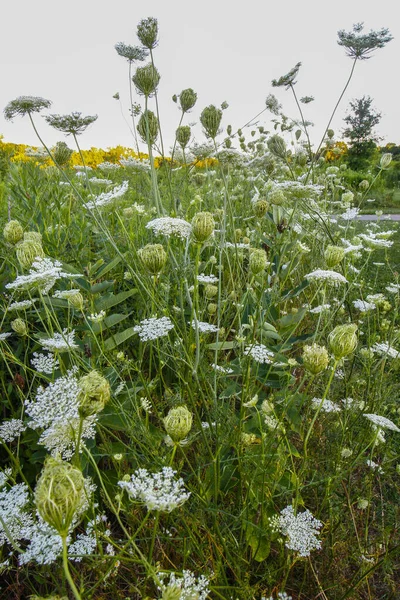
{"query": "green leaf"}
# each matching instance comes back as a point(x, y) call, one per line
point(258, 542)
point(113, 300)
point(119, 338)
point(222, 345)
point(108, 322)
point(108, 267)
point(97, 288)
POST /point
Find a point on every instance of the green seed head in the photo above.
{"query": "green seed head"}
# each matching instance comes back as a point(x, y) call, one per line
point(62, 154)
point(343, 340)
point(315, 358)
point(212, 308)
point(257, 261)
point(60, 494)
point(13, 232)
point(148, 127)
point(153, 257)
point(33, 236)
point(178, 423)
point(276, 196)
point(260, 207)
point(210, 291)
point(333, 256)
point(386, 159)
point(202, 226)
point(146, 80)
point(19, 326)
point(147, 32)
point(183, 134)
point(76, 300)
point(27, 251)
point(187, 99)
point(276, 145)
point(210, 118)
point(94, 394)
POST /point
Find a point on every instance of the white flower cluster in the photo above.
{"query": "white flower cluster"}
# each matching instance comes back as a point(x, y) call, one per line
point(11, 429)
point(108, 166)
point(159, 491)
point(4, 336)
point(381, 421)
point(45, 544)
point(237, 245)
point(374, 241)
point(393, 288)
point(107, 197)
point(220, 369)
point(170, 226)
point(55, 410)
point(259, 353)
point(44, 363)
point(385, 349)
point(319, 309)
point(97, 317)
point(136, 163)
point(328, 276)
point(204, 327)
point(153, 328)
point(350, 214)
point(363, 306)
point(301, 529)
point(189, 586)
point(280, 596)
point(207, 279)
point(60, 342)
point(98, 181)
point(327, 405)
point(85, 543)
point(43, 274)
point(22, 305)
point(13, 502)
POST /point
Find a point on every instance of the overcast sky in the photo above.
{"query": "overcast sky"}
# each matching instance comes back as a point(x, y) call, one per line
point(225, 50)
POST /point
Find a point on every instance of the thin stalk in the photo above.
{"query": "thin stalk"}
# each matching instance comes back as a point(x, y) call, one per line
point(330, 121)
point(66, 568)
point(131, 108)
point(303, 121)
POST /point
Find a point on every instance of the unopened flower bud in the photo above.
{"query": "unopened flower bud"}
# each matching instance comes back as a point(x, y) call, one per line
point(62, 153)
point(19, 326)
point(210, 118)
point(277, 146)
point(202, 226)
point(363, 185)
point(257, 260)
point(146, 80)
point(182, 135)
point(260, 207)
point(174, 592)
point(210, 291)
point(330, 133)
point(386, 159)
point(343, 340)
point(13, 232)
point(212, 308)
point(94, 394)
point(276, 196)
point(33, 236)
point(148, 127)
point(187, 99)
point(76, 299)
point(178, 423)
point(60, 494)
point(153, 257)
point(315, 358)
point(246, 240)
point(333, 256)
point(27, 251)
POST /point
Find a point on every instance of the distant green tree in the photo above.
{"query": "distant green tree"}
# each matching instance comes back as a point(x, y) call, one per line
point(359, 131)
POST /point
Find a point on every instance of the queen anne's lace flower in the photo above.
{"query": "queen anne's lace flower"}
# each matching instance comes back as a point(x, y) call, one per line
point(22, 305)
point(159, 491)
point(10, 430)
point(4, 336)
point(107, 197)
point(260, 353)
point(44, 363)
point(207, 279)
point(328, 276)
point(43, 274)
point(188, 585)
point(301, 530)
point(152, 329)
point(13, 504)
point(381, 421)
point(59, 342)
point(170, 226)
point(327, 405)
point(384, 349)
point(204, 327)
point(364, 306)
point(55, 410)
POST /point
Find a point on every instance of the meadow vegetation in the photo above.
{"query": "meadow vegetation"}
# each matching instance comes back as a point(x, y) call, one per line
point(200, 358)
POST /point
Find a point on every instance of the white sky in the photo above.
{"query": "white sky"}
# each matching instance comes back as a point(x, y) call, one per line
point(225, 50)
